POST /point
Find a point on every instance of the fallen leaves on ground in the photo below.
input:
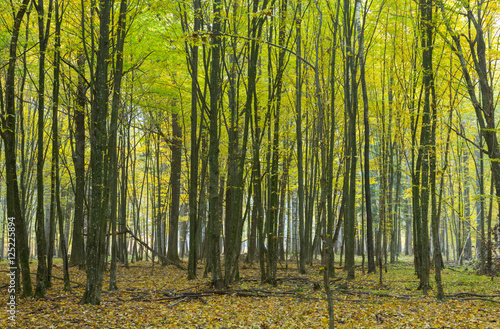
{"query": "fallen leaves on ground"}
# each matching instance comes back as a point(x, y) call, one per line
point(161, 297)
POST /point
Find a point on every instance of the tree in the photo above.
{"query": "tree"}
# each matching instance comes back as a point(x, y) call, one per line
point(193, 178)
point(112, 139)
point(273, 194)
point(78, 245)
point(214, 227)
point(43, 37)
point(298, 127)
point(56, 186)
point(484, 106)
point(175, 183)
point(350, 147)
point(97, 221)
point(366, 123)
point(8, 133)
point(424, 153)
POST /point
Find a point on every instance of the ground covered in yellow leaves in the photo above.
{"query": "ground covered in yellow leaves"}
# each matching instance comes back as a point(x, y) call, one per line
point(161, 297)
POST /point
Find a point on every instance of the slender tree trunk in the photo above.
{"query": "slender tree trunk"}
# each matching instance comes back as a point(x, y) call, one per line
point(160, 225)
point(112, 143)
point(78, 245)
point(330, 199)
point(283, 194)
point(366, 122)
point(55, 147)
point(481, 241)
point(193, 178)
point(236, 165)
point(273, 196)
point(122, 252)
point(351, 107)
point(435, 216)
point(42, 280)
point(214, 229)
point(300, 157)
point(466, 202)
point(175, 183)
point(426, 146)
point(8, 133)
point(97, 222)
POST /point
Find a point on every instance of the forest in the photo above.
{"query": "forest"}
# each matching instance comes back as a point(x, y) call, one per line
point(249, 163)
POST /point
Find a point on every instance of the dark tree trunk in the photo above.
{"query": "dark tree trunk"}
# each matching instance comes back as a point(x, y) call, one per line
point(300, 156)
point(42, 280)
point(160, 224)
point(466, 206)
point(214, 227)
point(234, 190)
point(329, 252)
point(481, 234)
point(193, 178)
point(55, 151)
point(366, 121)
point(175, 183)
point(283, 195)
point(112, 140)
point(8, 133)
point(273, 195)
point(122, 252)
point(78, 245)
point(426, 41)
point(350, 150)
point(97, 223)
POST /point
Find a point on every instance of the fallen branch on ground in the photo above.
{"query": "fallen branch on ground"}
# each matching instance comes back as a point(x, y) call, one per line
point(145, 245)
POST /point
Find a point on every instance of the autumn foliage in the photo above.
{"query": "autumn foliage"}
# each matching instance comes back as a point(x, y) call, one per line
point(155, 296)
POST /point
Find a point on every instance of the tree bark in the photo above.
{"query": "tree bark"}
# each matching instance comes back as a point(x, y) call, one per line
point(214, 229)
point(97, 223)
point(9, 137)
point(426, 42)
point(175, 183)
point(350, 150)
point(42, 281)
point(112, 139)
point(78, 244)
point(193, 178)
point(298, 127)
point(366, 122)
point(56, 203)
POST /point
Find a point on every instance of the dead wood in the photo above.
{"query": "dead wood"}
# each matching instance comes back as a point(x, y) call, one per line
point(145, 245)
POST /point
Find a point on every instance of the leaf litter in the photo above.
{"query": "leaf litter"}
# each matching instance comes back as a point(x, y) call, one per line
point(162, 297)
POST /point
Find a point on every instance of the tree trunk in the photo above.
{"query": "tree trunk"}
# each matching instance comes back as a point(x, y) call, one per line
point(330, 265)
point(97, 223)
point(8, 134)
point(193, 178)
point(78, 244)
point(300, 157)
point(175, 183)
point(426, 146)
point(366, 123)
point(112, 144)
point(55, 148)
point(214, 229)
point(351, 107)
point(42, 280)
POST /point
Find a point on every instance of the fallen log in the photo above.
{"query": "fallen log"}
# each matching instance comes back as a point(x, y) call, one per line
point(145, 245)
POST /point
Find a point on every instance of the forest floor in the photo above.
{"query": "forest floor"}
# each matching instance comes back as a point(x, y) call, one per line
point(161, 297)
